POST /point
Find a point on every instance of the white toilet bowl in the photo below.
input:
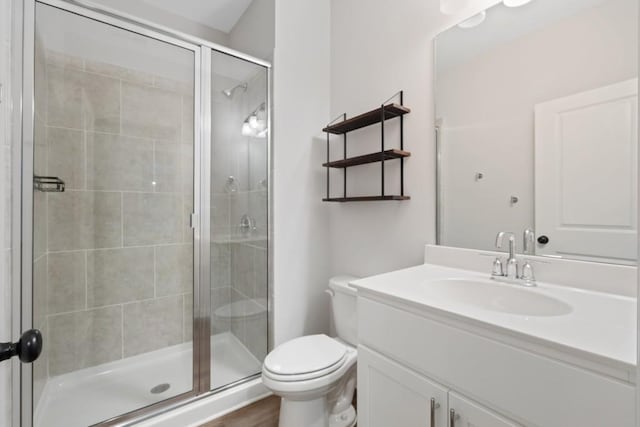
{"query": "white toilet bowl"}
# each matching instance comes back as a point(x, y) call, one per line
point(316, 377)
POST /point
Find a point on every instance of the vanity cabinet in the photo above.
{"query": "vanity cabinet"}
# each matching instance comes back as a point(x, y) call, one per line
point(392, 395)
point(467, 413)
point(409, 355)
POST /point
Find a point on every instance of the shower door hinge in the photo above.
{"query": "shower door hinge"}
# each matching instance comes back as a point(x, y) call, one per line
point(194, 220)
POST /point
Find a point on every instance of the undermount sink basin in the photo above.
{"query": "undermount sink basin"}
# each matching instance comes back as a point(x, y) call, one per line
point(504, 298)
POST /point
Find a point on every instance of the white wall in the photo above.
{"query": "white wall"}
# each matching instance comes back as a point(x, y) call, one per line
point(5, 207)
point(301, 97)
point(487, 105)
point(376, 50)
point(254, 32)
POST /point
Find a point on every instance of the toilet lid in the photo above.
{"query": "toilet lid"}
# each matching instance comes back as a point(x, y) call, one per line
point(304, 355)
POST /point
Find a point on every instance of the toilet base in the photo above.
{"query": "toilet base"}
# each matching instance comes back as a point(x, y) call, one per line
point(308, 413)
point(314, 413)
point(346, 418)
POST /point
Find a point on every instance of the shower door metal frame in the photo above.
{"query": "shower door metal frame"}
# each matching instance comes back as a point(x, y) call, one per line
point(27, 152)
point(22, 216)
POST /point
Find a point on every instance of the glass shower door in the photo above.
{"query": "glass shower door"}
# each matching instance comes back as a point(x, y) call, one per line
point(113, 247)
point(239, 219)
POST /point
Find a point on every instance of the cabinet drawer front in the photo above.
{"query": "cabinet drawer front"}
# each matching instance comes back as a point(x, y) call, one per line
point(473, 415)
point(532, 389)
point(391, 395)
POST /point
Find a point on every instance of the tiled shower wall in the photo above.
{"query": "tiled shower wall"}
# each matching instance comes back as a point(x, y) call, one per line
point(113, 269)
point(239, 261)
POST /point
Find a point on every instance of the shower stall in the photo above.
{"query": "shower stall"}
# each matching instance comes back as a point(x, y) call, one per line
point(145, 216)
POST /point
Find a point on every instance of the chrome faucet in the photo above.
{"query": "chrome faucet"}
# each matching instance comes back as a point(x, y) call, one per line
point(512, 262)
point(512, 273)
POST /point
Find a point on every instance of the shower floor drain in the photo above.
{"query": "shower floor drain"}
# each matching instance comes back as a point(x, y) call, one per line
point(160, 388)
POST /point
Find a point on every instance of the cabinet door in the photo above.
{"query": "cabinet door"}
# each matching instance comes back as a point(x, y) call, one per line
point(391, 395)
point(470, 414)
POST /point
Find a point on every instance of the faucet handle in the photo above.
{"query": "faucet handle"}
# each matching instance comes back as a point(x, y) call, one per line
point(528, 238)
point(497, 267)
point(527, 272)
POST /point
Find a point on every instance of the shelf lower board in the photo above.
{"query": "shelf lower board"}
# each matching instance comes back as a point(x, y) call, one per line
point(365, 199)
point(368, 158)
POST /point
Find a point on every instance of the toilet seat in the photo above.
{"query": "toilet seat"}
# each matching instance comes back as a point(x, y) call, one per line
point(305, 358)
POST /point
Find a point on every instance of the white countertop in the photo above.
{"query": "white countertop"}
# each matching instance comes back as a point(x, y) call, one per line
point(600, 327)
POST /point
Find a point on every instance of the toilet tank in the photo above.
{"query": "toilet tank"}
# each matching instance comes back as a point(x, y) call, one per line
point(343, 308)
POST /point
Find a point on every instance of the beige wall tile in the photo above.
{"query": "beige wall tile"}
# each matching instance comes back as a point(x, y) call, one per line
point(239, 206)
point(66, 288)
point(39, 223)
point(242, 269)
point(220, 265)
point(166, 167)
point(84, 220)
point(187, 209)
point(41, 366)
point(40, 289)
point(101, 103)
point(172, 85)
point(186, 168)
point(187, 120)
point(66, 156)
point(220, 297)
point(150, 112)
point(174, 269)
point(76, 99)
point(151, 325)
point(260, 269)
point(40, 149)
point(119, 163)
point(220, 214)
point(118, 72)
point(258, 209)
point(59, 59)
point(83, 339)
point(64, 97)
point(238, 325)
point(117, 276)
point(40, 80)
point(256, 336)
point(152, 219)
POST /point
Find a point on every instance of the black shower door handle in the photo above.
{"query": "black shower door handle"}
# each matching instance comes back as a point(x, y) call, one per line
point(27, 348)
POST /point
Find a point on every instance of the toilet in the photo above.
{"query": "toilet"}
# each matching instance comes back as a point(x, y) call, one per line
point(315, 375)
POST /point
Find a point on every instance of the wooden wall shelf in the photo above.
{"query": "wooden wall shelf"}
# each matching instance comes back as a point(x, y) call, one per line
point(367, 119)
point(379, 115)
point(368, 158)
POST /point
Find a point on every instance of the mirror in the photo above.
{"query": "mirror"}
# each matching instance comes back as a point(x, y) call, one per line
point(536, 121)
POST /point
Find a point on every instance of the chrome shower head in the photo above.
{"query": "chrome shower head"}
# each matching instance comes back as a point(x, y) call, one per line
point(229, 92)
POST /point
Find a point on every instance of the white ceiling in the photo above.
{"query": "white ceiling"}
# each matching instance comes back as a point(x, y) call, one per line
point(219, 14)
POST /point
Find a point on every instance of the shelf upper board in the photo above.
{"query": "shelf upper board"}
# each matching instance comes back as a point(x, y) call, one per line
point(368, 158)
point(365, 198)
point(367, 119)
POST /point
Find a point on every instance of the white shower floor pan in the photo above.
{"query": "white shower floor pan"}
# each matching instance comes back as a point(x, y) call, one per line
point(92, 395)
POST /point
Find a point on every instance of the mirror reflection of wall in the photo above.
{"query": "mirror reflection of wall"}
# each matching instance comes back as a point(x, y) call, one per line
point(535, 133)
